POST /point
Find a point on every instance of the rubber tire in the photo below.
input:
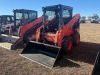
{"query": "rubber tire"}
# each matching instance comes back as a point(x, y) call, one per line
point(76, 36)
point(65, 44)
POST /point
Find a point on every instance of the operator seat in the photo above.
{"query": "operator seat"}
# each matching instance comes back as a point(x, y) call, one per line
point(66, 20)
point(50, 35)
point(55, 24)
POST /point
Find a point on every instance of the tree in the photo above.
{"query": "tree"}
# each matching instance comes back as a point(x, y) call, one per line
point(95, 16)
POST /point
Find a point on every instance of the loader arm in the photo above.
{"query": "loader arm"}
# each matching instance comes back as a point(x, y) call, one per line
point(38, 32)
point(67, 29)
point(29, 26)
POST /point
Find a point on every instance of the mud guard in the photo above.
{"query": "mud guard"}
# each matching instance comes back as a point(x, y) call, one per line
point(41, 53)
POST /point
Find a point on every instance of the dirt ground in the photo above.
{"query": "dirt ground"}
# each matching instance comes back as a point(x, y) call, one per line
point(79, 62)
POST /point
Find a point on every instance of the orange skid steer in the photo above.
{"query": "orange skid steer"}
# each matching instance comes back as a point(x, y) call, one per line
point(27, 31)
point(24, 26)
point(59, 32)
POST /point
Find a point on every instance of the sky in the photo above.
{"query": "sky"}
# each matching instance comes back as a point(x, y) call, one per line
point(83, 7)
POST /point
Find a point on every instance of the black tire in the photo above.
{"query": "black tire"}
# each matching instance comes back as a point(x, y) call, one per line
point(76, 39)
point(65, 44)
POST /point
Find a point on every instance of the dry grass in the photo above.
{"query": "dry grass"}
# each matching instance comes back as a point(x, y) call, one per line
point(79, 62)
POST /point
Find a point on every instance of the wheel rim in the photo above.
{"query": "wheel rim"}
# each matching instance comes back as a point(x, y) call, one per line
point(77, 40)
point(69, 45)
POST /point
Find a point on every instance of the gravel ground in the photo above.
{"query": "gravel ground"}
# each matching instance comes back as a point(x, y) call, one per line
point(79, 62)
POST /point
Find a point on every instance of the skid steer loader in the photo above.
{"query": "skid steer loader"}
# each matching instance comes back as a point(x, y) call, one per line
point(24, 23)
point(6, 21)
point(57, 35)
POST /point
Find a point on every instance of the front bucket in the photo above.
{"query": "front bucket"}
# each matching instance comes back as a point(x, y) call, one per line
point(7, 41)
point(43, 54)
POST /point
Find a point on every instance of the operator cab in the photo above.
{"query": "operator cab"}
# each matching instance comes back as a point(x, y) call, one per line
point(23, 17)
point(54, 18)
point(6, 21)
